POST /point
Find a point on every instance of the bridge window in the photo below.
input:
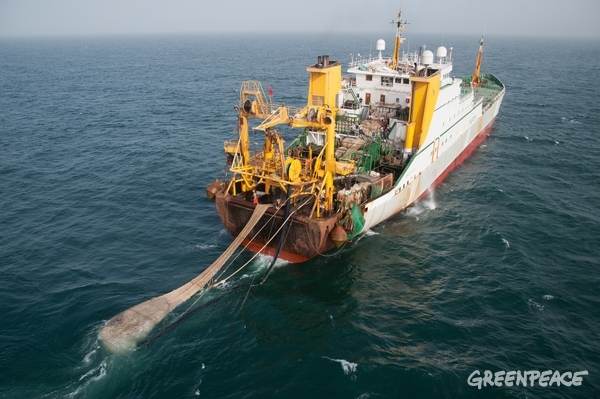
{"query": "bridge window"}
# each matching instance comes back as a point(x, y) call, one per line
point(387, 81)
point(369, 78)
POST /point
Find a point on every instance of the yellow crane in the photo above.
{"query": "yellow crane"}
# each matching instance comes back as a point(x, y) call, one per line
point(273, 167)
point(475, 81)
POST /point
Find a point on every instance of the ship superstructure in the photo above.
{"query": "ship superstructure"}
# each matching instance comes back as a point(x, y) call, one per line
point(371, 144)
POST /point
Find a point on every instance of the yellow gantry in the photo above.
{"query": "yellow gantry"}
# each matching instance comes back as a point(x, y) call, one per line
point(295, 175)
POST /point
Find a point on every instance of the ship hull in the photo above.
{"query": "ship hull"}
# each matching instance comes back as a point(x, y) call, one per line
point(465, 154)
point(308, 238)
point(305, 239)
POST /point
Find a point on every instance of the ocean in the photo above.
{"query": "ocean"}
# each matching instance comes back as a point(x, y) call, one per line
point(108, 143)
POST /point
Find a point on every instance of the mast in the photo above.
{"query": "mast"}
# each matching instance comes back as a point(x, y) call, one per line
point(475, 81)
point(398, 42)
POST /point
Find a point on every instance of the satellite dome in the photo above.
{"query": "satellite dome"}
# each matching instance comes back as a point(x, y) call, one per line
point(427, 58)
point(380, 46)
point(441, 52)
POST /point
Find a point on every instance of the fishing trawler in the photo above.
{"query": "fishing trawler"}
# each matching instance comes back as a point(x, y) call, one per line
point(372, 143)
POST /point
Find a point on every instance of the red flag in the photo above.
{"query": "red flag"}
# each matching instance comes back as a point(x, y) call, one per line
point(270, 92)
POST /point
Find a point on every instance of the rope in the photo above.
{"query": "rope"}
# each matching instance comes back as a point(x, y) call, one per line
point(282, 239)
point(184, 317)
point(134, 324)
point(221, 282)
point(231, 262)
point(246, 297)
point(189, 313)
point(252, 239)
point(317, 251)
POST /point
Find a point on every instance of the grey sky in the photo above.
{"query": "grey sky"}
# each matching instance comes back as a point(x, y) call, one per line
point(573, 18)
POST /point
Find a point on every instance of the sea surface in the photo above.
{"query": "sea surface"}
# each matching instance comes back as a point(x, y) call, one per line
point(108, 143)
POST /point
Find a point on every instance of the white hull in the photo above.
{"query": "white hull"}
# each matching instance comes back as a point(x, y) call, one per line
point(432, 162)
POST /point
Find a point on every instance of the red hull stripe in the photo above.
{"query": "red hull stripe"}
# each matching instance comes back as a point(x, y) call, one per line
point(288, 256)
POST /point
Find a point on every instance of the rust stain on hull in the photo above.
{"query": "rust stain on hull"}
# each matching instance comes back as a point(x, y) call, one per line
point(306, 238)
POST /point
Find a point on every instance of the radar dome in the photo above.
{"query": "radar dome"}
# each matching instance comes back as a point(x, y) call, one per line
point(380, 46)
point(427, 58)
point(441, 52)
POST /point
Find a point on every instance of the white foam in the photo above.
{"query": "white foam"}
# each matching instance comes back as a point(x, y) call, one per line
point(536, 305)
point(92, 375)
point(205, 245)
point(88, 358)
point(424, 205)
point(505, 241)
point(264, 261)
point(212, 242)
point(223, 286)
point(101, 370)
point(429, 201)
point(261, 263)
point(570, 119)
point(347, 366)
point(366, 233)
point(256, 268)
point(420, 207)
point(414, 211)
point(548, 297)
